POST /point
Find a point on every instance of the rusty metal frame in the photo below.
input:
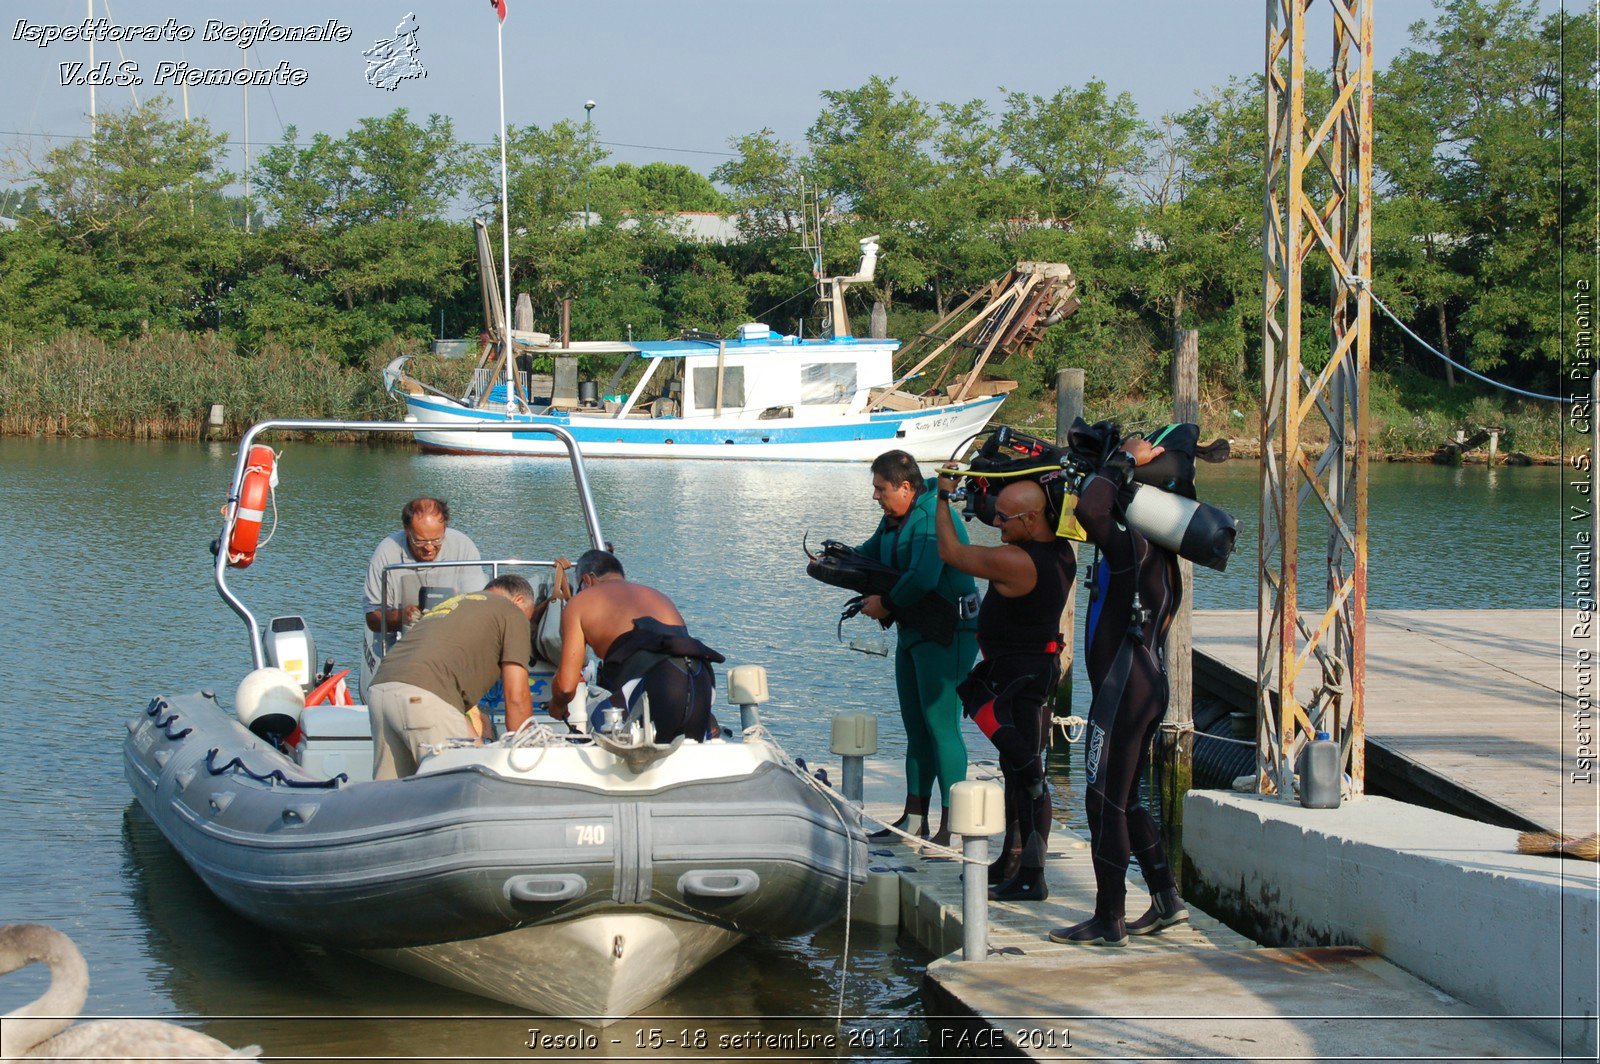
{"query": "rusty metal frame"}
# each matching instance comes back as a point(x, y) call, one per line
point(1318, 213)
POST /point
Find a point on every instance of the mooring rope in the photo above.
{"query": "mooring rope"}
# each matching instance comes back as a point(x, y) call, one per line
point(839, 803)
point(1366, 283)
point(1067, 724)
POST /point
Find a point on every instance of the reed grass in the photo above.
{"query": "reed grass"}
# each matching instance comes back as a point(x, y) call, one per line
point(160, 386)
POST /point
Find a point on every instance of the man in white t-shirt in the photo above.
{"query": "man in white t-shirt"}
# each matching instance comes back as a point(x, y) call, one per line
point(425, 536)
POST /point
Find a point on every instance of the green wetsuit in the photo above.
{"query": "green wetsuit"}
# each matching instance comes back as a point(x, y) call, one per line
point(926, 673)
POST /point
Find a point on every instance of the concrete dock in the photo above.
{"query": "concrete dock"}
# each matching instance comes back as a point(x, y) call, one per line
point(1392, 931)
point(1190, 992)
point(1466, 709)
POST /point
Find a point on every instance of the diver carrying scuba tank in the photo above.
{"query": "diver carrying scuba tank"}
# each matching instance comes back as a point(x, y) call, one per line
point(1134, 498)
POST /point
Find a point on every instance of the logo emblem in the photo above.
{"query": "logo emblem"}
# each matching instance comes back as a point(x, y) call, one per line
point(1097, 746)
point(393, 61)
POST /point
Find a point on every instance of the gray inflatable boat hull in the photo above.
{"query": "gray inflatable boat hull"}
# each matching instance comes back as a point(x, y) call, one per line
point(553, 878)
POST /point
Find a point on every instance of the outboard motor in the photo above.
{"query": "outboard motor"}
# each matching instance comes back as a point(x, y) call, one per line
point(289, 646)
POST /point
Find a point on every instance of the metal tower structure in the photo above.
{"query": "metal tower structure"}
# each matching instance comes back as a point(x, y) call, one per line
point(1318, 227)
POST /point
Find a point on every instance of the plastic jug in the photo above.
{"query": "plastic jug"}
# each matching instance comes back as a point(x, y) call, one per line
point(1320, 773)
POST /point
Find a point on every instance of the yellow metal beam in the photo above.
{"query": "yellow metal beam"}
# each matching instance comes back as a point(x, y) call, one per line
point(1299, 408)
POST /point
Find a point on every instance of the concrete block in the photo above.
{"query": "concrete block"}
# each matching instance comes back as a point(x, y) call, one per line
point(910, 894)
point(1449, 900)
point(930, 923)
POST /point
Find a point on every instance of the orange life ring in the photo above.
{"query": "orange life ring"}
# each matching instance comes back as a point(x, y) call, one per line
point(333, 691)
point(251, 507)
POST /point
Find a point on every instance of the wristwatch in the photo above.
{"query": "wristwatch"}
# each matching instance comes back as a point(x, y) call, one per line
point(944, 494)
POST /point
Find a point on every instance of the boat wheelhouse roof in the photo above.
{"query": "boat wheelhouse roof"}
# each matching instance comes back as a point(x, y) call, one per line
point(734, 345)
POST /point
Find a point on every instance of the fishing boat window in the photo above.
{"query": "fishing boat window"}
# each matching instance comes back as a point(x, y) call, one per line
point(705, 387)
point(824, 383)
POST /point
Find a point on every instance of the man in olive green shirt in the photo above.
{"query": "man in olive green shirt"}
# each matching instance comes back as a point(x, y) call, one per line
point(449, 659)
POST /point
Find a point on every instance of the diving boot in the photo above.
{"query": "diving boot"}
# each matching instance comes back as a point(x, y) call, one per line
point(1004, 867)
point(1095, 931)
point(1028, 884)
point(1166, 909)
point(910, 823)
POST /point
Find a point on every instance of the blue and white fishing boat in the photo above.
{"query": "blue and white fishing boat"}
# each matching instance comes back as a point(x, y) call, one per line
point(756, 395)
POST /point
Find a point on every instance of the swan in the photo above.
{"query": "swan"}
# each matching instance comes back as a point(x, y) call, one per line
point(39, 1031)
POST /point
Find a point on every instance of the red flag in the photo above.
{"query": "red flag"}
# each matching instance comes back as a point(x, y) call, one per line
point(499, 7)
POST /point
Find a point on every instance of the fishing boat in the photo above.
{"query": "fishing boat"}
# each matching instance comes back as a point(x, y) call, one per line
point(567, 873)
point(757, 394)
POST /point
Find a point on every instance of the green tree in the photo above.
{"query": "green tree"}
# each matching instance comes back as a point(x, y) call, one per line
point(659, 187)
point(132, 220)
point(1201, 227)
point(360, 251)
point(1075, 145)
point(1491, 91)
point(869, 157)
point(764, 185)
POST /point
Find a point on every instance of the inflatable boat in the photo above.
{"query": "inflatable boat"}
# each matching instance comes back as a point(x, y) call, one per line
point(565, 873)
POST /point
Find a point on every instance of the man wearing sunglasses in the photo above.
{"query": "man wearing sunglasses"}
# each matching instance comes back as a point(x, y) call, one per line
point(1019, 634)
point(425, 536)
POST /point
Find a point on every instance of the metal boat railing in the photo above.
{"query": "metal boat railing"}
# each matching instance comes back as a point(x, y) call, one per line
point(591, 516)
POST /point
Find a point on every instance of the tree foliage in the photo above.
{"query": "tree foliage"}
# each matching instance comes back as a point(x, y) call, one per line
point(1482, 125)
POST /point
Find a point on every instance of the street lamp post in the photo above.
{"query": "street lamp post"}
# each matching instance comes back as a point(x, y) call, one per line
point(588, 112)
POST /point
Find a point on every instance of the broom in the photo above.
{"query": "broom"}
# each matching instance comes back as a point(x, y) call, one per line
point(1549, 843)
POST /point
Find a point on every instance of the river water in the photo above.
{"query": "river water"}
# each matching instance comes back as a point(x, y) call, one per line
point(107, 600)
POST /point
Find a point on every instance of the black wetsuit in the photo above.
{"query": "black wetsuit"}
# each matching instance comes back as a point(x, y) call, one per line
point(673, 668)
point(1128, 650)
point(1007, 692)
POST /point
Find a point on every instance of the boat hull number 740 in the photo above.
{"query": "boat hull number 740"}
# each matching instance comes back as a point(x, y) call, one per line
point(586, 834)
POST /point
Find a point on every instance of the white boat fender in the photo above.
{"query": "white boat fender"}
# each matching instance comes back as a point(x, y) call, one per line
point(269, 702)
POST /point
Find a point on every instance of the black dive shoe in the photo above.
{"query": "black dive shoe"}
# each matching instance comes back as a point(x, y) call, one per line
point(909, 823)
point(1027, 885)
point(1166, 909)
point(1004, 867)
point(1092, 932)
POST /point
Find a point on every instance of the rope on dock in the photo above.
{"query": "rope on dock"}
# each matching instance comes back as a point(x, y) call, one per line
point(916, 841)
point(1366, 283)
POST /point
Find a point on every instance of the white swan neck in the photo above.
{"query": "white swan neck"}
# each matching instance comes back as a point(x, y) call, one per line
point(59, 1005)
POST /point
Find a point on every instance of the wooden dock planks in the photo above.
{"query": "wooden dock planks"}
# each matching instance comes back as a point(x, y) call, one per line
point(1472, 697)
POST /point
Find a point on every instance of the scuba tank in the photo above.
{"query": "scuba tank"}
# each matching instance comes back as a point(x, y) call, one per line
point(1159, 498)
point(1202, 533)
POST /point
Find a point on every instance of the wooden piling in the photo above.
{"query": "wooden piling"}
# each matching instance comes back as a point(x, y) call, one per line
point(1069, 405)
point(1069, 401)
point(1175, 746)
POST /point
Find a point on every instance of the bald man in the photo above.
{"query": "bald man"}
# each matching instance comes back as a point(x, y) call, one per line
point(1019, 635)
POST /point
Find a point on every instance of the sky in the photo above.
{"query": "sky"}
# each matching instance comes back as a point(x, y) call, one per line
point(672, 80)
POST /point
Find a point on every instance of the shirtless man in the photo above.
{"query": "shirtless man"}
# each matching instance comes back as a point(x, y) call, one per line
point(644, 649)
